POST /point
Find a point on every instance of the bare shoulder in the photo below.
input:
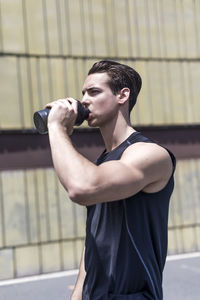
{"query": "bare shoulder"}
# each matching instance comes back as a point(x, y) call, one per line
point(147, 152)
point(152, 160)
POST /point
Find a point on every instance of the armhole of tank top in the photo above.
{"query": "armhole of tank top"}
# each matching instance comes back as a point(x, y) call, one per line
point(173, 159)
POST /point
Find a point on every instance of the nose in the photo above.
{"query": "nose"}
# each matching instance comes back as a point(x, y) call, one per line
point(85, 100)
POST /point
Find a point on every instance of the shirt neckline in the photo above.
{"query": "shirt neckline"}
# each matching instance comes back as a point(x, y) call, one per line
point(104, 153)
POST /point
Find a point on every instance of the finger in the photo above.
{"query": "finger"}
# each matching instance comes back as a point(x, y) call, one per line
point(51, 104)
point(68, 102)
point(74, 104)
point(70, 131)
point(56, 102)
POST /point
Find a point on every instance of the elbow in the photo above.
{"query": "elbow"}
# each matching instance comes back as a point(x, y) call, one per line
point(78, 196)
point(82, 192)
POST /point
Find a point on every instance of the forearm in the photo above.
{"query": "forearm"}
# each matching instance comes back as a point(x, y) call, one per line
point(85, 182)
point(77, 293)
point(73, 170)
point(88, 184)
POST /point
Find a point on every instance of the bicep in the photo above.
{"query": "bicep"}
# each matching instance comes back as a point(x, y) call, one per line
point(114, 180)
point(139, 167)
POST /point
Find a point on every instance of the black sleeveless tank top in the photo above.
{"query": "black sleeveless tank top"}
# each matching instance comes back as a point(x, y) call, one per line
point(126, 241)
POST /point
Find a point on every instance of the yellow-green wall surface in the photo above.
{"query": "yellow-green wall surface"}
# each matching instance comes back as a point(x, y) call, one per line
point(41, 230)
point(47, 47)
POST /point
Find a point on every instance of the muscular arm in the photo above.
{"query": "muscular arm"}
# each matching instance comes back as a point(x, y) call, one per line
point(142, 166)
point(77, 293)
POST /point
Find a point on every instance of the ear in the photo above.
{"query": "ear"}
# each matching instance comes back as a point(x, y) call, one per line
point(123, 95)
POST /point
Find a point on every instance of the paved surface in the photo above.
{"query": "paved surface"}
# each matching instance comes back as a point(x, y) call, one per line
point(182, 279)
point(181, 282)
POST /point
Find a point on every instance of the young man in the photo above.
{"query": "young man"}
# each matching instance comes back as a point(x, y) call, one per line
point(126, 192)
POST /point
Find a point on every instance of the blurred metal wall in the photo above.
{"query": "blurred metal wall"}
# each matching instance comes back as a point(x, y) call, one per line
point(46, 49)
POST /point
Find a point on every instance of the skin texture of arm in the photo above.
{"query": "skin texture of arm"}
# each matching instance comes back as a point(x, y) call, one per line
point(143, 166)
point(77, 293)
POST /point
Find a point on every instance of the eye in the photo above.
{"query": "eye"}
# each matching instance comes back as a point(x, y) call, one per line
point(94, 91)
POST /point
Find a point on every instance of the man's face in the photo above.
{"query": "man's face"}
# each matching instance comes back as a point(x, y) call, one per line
point(100, 100)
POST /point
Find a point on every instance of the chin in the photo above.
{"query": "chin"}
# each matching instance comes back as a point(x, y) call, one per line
point(92, 124)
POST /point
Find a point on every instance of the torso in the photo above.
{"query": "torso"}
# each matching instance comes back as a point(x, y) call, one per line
point(113, 265)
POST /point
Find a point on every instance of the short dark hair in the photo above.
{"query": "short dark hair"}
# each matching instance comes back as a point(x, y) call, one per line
point(120, 76)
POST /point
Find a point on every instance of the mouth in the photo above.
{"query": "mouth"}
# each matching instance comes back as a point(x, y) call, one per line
point(89, 116)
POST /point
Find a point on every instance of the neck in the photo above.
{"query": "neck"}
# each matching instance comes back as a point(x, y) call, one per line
point(116, 132)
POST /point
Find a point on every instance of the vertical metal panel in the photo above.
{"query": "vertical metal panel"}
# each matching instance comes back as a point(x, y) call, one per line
point(197, 24)
point(74, 16)
point(111, 33)
point(46, 82)
point(46, 31)
point(185, 208)
point(149, 99)
point(120, 28)
point(6, 262)
point(163, 31)
point(9, 93)
point(2, 217)
point(68, 255)
point(14, 208)
point(188, 18)
point(59, 27)
point(88, 31)
point(1, 30)
point(142, 28)
point(169, 27)
point(57, 80)
point(49, 251)
point(140, 108)
point(27, 261)
point(135, 24)
point(154, 27)
point(194, 75)
point(12, 26)
point(42, 206)
point(31, 207)
point(103, 30)
point(68, 223)
point(51, 26)
point(20, 92)
point(68, 27)
point(26, 90)
point(52, 199)
point(188, 100)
